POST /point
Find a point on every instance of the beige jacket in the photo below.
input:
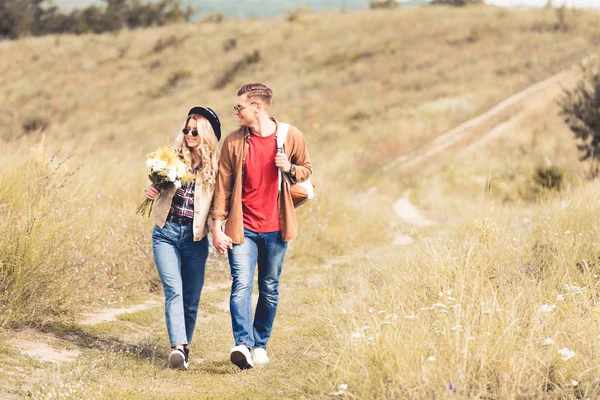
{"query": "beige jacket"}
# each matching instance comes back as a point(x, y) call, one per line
point(228, 191)
point(203, 198)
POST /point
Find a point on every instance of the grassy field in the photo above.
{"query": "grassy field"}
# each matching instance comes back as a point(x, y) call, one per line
point(483, 304)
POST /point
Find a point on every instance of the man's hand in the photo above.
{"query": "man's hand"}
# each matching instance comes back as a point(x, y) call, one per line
point(221, 241)
point(282, 162)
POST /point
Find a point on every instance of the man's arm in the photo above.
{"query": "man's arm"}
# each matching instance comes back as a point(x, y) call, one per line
point(300, 159)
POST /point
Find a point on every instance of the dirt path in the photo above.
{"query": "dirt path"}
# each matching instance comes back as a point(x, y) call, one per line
point(489, 124)
point(468, 137)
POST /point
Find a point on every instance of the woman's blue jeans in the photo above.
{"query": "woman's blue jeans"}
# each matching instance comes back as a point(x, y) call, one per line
point(268, 250)
point(181, 263)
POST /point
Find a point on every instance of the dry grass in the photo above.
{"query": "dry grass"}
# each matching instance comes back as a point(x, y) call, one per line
point(364, 89)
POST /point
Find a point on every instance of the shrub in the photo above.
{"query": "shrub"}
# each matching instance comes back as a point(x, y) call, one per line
point(33, 124)
point(455, 3)
point(228, 75)
point(214, 17)
point(581, 109)
point(229, 44)
point(40, 17)
point(549, 177)
point(177, 77)
point(374, 4)
point(297, 14)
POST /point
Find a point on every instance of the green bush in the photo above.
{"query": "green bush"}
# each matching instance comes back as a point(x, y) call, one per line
point(40, 17)
point(229, 74)
point(549, 177)
point(374, 4)
point(581, 109)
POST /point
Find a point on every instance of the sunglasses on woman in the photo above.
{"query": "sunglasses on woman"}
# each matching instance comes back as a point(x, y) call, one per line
point(186, 131)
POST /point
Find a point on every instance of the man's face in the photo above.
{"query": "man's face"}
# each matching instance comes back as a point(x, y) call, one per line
point(246, 110)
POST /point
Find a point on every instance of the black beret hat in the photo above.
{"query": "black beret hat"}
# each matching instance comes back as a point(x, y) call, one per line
point(211, 116)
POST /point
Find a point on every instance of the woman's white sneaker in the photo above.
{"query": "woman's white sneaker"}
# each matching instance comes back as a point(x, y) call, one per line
point(260, 356)
point(240, 356)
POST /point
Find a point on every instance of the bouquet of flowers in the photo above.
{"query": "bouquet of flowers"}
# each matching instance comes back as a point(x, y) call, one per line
point(166, 168)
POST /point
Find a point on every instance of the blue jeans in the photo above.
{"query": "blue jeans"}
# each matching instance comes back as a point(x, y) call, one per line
point(268, 250)
point(181, 263)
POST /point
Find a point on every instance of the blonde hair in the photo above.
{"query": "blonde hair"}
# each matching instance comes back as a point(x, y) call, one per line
point(207, 150)
point(257, 90)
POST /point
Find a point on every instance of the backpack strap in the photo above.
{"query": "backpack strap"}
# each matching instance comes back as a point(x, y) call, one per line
point(281, 136)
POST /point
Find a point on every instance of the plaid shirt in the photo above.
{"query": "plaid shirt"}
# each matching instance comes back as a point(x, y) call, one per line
point(182, 205)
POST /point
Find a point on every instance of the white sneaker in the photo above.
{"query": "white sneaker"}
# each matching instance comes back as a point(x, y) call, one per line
point(178, 359)
point(240, 356)
point(260, 356)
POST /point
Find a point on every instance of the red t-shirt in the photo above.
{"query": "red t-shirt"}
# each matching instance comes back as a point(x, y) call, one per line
point(259, 189)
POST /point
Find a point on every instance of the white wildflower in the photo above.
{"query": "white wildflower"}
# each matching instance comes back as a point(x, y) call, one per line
point(560, 297)
point(357, 335)
point(574, 383)
point(431, 358)
point(546, 308)
point(566, 353)
point(548, 342)
point(343, 386)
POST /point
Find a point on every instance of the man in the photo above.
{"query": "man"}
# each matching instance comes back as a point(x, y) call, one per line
point(260, 216)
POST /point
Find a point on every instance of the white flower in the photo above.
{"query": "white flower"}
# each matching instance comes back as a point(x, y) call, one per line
point(158, 165)
point(566, 353)
point(357, 335)
point(560, 297)
point(343, 386)
point(431, 358)
point(150, 162)
point(177, 184)
point(548, 342)
point(546, 308)
point(172, 174)
point(574, 383)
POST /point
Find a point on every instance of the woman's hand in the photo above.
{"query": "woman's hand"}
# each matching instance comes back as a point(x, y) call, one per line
point(151, 193)
point(221, 241)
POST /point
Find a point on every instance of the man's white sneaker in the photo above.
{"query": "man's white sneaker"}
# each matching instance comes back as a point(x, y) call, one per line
point(260, 356)
point(240, 356)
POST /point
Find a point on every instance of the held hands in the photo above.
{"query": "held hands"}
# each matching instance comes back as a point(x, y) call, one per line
point(282, 162)
point(151, 193)
point(221, 241)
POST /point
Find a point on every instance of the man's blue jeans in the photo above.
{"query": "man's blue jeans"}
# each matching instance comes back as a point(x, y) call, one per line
point(181, 263)
point(268, 250)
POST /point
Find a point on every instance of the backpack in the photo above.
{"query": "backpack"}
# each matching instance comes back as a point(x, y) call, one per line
point(301, 191)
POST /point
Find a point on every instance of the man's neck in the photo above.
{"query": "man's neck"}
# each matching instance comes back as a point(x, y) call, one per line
point(264, 126)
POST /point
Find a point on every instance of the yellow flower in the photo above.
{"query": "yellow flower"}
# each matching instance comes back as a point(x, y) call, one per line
point(166, 154)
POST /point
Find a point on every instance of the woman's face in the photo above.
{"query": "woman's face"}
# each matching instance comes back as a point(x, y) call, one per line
point(192, 141)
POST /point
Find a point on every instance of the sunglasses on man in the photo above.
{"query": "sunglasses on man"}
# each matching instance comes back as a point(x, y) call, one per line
point(186, 131)
point(240, 108)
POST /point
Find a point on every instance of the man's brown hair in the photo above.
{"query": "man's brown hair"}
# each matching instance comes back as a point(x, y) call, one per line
point(257, 90)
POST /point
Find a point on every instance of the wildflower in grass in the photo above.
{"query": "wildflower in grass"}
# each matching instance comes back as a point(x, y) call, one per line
point(560, 297)
point(166, 168)
point(431, 358)
point(546, 308)
point(357, 335)
point(574, 383)
point(342, 387)
point(566, 353)
point(548, 342)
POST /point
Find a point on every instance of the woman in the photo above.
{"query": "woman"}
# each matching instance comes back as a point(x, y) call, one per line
point(179, 239)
